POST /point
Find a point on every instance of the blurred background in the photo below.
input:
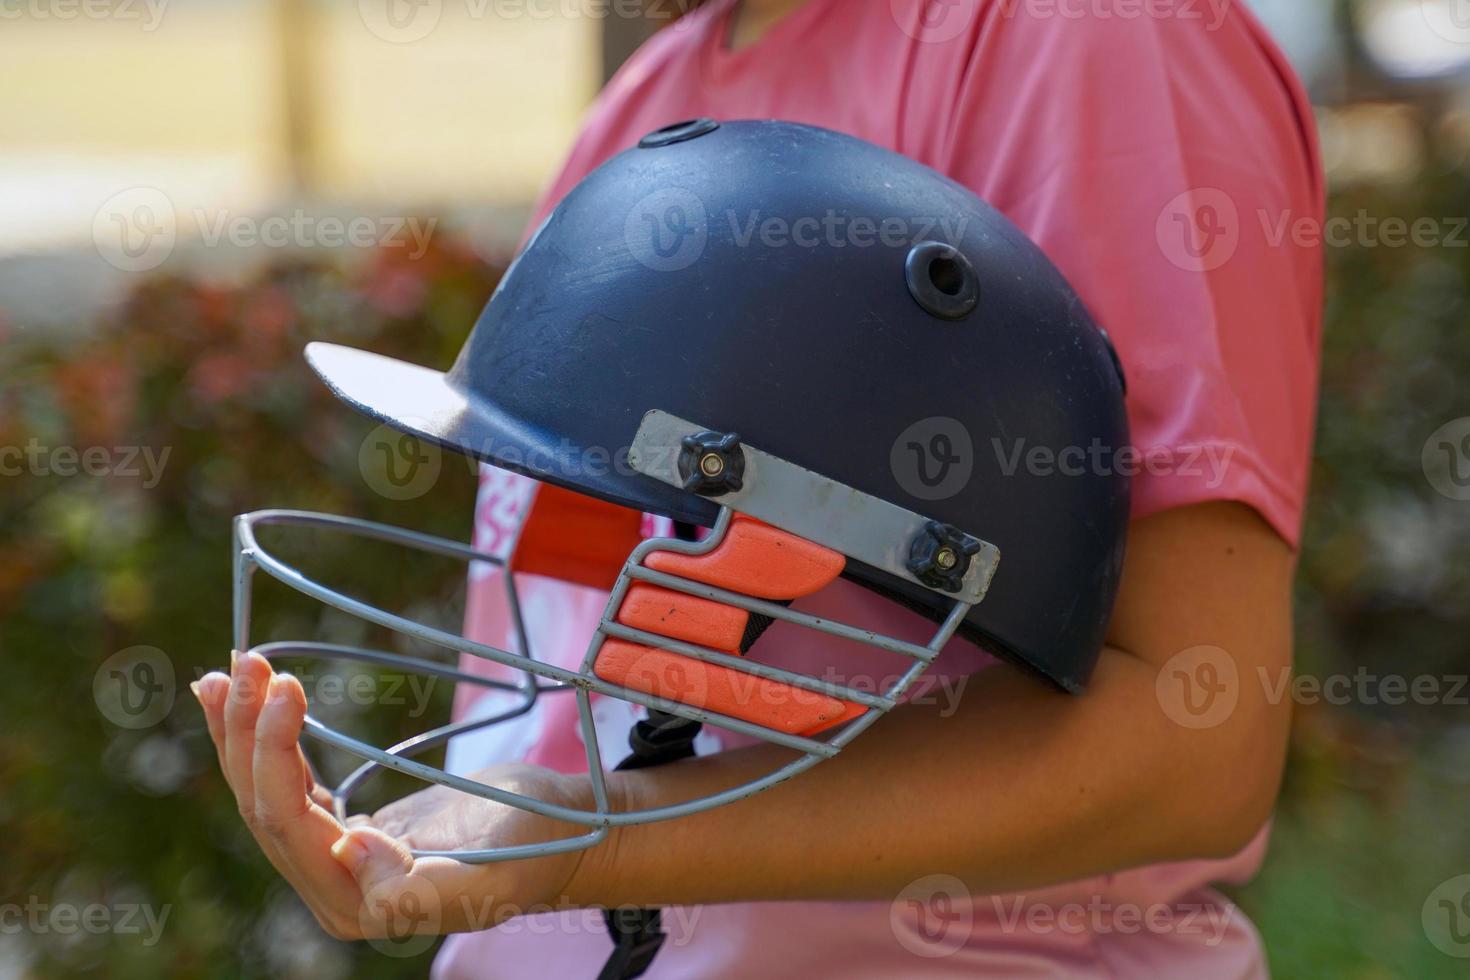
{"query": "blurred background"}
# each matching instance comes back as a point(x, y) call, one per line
point(159, 160)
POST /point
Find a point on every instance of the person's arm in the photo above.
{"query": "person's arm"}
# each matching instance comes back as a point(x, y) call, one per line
point(1023, 786)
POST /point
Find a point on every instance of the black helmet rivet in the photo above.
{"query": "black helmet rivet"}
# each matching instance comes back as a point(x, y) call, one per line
point(939, 556)
point(678, 133)
point(712, 463)
point(941, 280)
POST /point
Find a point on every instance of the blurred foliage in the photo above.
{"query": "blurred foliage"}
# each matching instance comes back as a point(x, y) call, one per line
point(1372, 816)
point(91, 565)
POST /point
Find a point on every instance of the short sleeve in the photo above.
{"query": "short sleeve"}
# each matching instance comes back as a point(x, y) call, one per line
point(1169, 167)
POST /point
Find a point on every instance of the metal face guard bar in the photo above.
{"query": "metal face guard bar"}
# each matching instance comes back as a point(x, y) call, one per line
point(849, 522)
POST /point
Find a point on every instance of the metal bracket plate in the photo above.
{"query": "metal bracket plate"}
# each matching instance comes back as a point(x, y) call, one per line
point(809, 505)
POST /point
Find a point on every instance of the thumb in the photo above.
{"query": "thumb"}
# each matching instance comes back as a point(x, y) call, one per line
point(372, 856)
point(396, 903)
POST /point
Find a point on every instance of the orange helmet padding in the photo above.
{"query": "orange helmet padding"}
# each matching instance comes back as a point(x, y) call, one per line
point(758, 560)
point(683, 617)
point(722, 690)
point(754, 559)
point(576, 538)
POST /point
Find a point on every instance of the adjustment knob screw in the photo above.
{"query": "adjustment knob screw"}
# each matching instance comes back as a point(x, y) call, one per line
point(939, 556)
point(712, 464)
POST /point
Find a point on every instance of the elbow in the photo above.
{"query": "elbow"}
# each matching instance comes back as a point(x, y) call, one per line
point(1237, 791)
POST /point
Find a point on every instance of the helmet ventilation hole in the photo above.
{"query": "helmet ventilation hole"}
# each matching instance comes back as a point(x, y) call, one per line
point(946, 275)
point(942, 280)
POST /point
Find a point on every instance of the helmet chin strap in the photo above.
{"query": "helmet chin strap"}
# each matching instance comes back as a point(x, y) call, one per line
point(661, 738)
point(638, 934)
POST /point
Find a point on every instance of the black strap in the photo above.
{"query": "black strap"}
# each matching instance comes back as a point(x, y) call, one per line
point(637, 933)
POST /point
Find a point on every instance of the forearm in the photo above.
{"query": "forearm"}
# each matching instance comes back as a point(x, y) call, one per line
point(1021, 787)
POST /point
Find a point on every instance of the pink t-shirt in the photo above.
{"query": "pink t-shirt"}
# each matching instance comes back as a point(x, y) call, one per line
point(1160, 153)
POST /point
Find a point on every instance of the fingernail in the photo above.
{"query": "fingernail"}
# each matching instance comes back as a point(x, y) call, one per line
point(194, 686)
point(234, 660)
point(276, 689)
point(349, 852)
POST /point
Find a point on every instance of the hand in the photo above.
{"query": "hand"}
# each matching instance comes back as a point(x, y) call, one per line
point(360, 881)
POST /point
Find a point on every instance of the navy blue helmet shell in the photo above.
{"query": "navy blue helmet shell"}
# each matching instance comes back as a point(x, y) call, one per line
point(835, 304)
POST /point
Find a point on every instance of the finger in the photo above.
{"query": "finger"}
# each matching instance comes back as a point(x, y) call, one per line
point(249, 675)
point(296, 832)
point(277, 769)
point(211, 690)
point(427, 895)
point(318, 793)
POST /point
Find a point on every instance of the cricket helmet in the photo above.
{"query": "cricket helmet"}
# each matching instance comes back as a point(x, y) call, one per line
point(839, 360)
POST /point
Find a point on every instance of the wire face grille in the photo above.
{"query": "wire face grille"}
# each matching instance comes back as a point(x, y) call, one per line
point(537, 679)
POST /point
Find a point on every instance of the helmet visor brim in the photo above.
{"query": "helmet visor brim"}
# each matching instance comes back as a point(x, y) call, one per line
point(425, 403)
